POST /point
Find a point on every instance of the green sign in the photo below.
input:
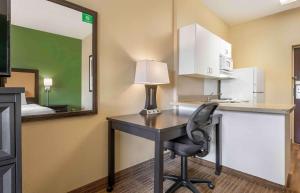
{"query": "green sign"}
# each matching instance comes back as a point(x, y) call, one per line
point(87, 18)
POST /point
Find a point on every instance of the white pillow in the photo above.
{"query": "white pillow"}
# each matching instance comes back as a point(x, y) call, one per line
point(23, 99)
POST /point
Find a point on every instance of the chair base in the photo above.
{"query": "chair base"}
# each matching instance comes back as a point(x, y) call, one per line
point(183, 181)
point(187, 183)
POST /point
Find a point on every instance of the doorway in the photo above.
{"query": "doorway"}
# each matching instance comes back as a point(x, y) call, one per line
point(296, 58)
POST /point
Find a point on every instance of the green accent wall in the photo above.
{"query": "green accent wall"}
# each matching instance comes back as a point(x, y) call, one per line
point(55, 56)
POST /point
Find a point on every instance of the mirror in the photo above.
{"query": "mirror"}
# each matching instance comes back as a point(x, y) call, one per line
point(53, 55)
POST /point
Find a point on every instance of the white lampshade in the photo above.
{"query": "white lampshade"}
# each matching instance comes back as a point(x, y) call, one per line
point(48, 82)
point(151, 72)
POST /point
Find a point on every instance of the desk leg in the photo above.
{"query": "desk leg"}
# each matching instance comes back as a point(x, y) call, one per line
point(219, 147)
point(158, 166)
point(111, 157)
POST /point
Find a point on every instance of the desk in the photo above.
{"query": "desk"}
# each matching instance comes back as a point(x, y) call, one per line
point(165, 126)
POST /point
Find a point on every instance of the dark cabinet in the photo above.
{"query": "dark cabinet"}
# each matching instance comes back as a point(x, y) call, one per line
point(7, 131)
point(10, 140)
point(8, 179)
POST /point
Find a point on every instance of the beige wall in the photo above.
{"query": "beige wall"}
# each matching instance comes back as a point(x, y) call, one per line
point(189, 12)
point(267, 43)
point(194, 11)
point(60, 155)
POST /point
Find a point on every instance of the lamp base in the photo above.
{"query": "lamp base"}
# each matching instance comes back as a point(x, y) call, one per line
point(150, 104)
point(150, 111)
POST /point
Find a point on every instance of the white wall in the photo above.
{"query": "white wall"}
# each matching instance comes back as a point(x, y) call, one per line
point(86, 95)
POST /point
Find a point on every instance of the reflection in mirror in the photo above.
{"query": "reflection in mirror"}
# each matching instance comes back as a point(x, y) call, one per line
point(51, 56)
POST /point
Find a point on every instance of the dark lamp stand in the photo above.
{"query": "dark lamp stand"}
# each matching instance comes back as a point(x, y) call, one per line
point(150, 104)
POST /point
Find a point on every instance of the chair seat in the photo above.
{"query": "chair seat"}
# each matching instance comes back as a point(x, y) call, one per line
point(183, 146)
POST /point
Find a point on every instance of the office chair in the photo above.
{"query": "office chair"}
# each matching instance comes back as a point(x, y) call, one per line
point(196, 142)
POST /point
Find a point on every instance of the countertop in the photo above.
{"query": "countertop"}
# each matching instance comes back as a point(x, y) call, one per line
point(246, 107)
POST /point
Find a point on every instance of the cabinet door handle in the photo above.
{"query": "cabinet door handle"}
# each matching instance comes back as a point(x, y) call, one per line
point(210, 70)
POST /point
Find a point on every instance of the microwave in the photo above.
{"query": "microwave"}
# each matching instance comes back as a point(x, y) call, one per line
point(226, 63)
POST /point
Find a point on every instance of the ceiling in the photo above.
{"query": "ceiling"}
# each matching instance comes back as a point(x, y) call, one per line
point(234, 12)
point(49, 17)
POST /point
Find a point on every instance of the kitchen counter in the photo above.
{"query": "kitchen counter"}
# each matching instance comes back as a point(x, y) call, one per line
point(255, 138)
point(246, 107)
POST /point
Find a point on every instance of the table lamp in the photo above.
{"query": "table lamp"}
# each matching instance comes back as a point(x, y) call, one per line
point(151, 73)
point(48, 83)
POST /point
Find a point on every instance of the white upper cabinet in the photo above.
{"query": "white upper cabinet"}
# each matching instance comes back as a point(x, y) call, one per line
point(225, 48)
point(201, 52)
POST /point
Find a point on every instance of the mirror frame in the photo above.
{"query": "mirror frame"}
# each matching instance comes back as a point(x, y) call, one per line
point(95, 74)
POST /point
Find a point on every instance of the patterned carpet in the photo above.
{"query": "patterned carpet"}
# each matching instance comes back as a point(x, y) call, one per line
point(142, 181)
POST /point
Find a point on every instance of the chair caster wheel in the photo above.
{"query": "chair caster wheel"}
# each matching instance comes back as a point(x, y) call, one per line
point(109, 189)
point(211, 186)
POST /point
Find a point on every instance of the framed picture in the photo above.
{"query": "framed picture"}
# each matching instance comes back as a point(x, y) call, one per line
point(91, 73)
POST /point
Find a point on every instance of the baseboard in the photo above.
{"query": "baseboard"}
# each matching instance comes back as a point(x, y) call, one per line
point(288, 183)
point(102, 183)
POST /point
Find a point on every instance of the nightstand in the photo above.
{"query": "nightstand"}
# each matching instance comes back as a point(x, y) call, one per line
point(59, 108)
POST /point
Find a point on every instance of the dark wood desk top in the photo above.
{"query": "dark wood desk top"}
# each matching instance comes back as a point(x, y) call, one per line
point(158, 122)
point(168, 125)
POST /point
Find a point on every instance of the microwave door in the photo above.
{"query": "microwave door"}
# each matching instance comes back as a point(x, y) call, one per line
point(225, 63)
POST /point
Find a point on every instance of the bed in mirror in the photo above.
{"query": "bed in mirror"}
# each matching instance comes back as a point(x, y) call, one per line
point(53, 56)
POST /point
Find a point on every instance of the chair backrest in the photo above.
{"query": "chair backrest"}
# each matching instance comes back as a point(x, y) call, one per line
point(199, 126)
